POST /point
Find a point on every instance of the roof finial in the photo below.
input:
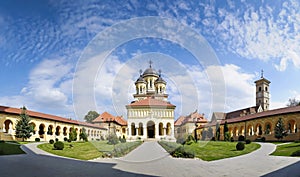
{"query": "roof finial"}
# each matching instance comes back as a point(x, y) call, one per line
point(262, 73)
point(150, 63)
point(159, 71)
point(141, 71)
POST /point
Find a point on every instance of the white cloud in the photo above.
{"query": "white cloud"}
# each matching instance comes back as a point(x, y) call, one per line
point(49, 89)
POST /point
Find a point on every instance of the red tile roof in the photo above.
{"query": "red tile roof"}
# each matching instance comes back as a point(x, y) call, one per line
point(107, 117)
point(190, 119)
point(151, 102)
point(10, 110)
point(274, 112)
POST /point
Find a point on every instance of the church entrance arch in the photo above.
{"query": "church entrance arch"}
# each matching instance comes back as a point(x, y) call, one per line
point(151, 129)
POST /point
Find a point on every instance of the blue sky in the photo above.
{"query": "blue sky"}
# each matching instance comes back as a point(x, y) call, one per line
point(44, 45)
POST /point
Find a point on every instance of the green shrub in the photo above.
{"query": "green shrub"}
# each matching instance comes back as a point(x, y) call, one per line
point(123, 140)
point(56, 139)
point(180, 140)
point(59, 145)
point(231, 139)
point(213, 139)
point(263, 139)
point(2, 141)
point(241, 138)
point(181, 152)
point(189, 142)
point(69, 141)
point(296, 153)
point(65, 139)
point(190, 138)
point(37, 139)
point(240, 146)
point(51, 141)
point(248, 141)
point(112, 139)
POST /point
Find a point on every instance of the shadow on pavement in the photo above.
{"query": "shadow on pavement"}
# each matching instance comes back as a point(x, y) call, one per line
point(31, 165)
point(290, 170)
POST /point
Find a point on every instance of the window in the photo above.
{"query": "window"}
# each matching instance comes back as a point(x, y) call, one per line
point(259, 89)
point(266, 89)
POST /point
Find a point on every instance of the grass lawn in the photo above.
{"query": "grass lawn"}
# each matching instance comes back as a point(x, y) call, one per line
point(80, 150)
point(87, 150)
point(6, 148)
point(215, 150)
point(286, 149)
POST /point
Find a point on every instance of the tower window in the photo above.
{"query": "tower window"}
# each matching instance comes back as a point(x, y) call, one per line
point(266, 88)
point(259, 89)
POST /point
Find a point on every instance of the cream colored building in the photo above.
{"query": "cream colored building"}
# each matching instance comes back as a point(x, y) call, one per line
point(258, 121)
point(150, 115)
point(114, 124)
point(46, 126)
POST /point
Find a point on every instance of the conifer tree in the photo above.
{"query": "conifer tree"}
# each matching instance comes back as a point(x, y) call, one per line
point(280, 131)
point(23, 128)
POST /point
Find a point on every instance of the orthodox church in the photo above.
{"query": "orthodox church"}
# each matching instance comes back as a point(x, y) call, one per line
point(150, 115)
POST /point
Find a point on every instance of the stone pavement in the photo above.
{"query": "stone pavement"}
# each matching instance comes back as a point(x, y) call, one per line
point(149, 159)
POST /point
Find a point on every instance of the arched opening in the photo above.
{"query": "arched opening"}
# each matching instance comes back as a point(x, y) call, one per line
point(33, 127)
point(235, 131)
point(151, 129)
point(8, 126)
point(258, 129)
point(50, 130)
point(268, 128)
point(161, 129)
point(41, 130)
point(123, 130)
point(88, 132)
point(57, 131)
point(242, 130)
point(291, 126)
point(133, 131)
point(250, 130)
point(168, 129)
point(141, 129)
point(65, 131)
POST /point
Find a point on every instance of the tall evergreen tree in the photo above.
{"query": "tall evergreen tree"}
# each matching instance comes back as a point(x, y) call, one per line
point(226, 132)
point(91, 115)
point(280, 131)
point(23, 128)
point(218, 131)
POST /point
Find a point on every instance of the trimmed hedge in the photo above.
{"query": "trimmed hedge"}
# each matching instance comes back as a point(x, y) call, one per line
point(296, 153)
point(240, 146)
point(248, 141)
point(37, 139)
point(51, 141)
point(59, 145)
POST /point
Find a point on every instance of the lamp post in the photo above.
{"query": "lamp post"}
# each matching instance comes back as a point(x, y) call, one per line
point(195, 121)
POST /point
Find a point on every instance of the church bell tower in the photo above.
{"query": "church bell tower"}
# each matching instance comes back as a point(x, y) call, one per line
point(262, 92)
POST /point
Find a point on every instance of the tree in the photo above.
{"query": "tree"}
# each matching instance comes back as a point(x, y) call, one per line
point(280, 131)
point(83, 135)
point(73, 134)
point(23, 128)
point(91, 115)
point(293, 102)
point(226, 132)
point(210, 133)
point(218, 131)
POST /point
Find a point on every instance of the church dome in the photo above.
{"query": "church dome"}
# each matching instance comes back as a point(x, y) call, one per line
point(140, 80)
point(150, 71)
point(160, 80)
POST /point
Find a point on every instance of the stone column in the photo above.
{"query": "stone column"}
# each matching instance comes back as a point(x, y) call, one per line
point(156, 131)
point(145, 136)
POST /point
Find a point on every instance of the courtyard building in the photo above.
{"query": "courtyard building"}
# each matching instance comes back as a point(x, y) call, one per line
point(150, 115)
point(46, 126)
point(256, 122)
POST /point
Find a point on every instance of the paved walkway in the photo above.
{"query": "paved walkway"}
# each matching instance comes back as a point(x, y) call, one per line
point(149, 159)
